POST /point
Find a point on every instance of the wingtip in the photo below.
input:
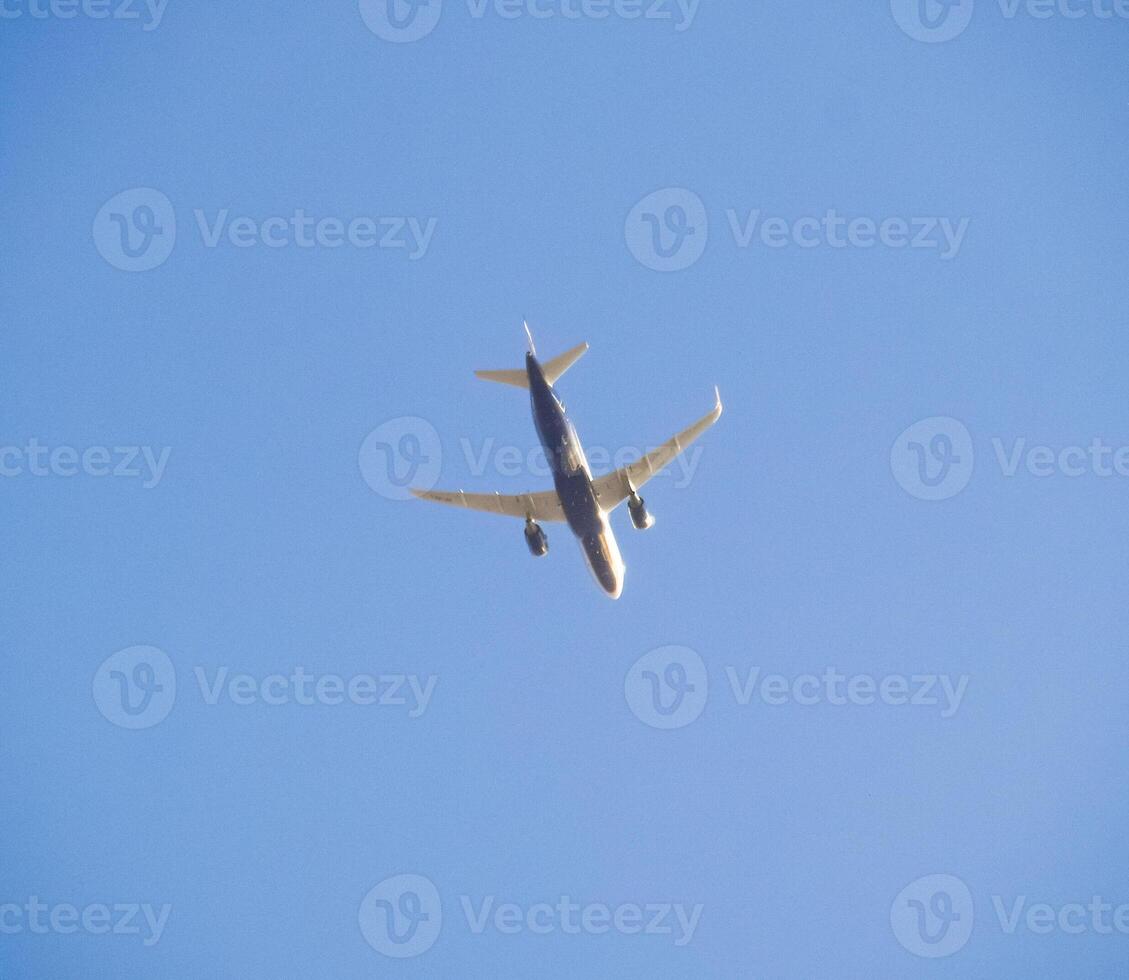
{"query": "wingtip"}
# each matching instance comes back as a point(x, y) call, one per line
point(718, 407)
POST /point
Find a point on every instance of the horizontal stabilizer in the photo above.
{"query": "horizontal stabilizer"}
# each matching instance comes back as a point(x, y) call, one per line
point(553, 369)
point(517, 378)
point(558, 365)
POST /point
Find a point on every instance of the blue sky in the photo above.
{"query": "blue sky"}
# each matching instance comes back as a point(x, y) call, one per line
point(876, 636)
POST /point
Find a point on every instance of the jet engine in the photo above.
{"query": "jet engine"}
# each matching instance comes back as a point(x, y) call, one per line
point(536, 539)
point(639, 515)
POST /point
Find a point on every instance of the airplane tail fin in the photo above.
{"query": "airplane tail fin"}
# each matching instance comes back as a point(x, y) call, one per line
point(553, 370)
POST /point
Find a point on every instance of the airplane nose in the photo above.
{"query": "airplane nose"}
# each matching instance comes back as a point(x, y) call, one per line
point(612, 583)
point(608, 574)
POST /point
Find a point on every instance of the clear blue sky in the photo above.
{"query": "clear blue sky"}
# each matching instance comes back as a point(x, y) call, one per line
point(529, 775)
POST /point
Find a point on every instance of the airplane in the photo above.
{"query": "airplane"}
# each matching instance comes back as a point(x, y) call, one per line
point(579, 499)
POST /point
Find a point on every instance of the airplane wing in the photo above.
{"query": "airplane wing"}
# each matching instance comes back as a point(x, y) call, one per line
point(542, 506)
point(614, 488)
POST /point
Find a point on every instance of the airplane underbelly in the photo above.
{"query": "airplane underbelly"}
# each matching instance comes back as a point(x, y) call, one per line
point(573, 480)
point(579, 503)
point(570, 459)
point(601, 552)
point(593, 531)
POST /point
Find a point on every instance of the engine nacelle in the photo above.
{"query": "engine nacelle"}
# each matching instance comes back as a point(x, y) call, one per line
point(639, 515)
point(536, 539)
